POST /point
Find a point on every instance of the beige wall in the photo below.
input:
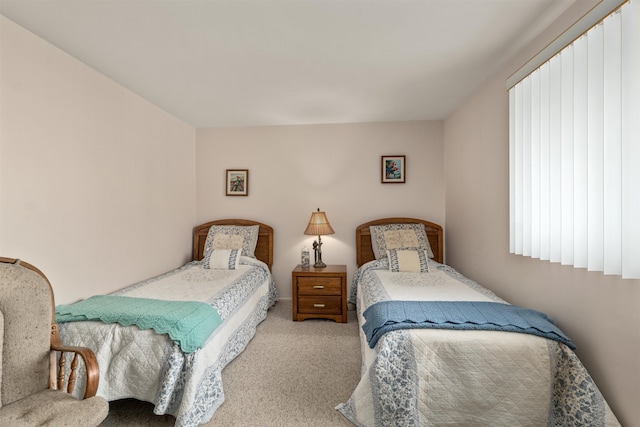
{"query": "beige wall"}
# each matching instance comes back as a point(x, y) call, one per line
point(293, 170)
point(600, 313)
point(97, 186)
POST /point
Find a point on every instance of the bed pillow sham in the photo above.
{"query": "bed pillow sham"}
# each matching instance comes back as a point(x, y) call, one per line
point(410, 261)
point(244, 237)
point(222, 259)
point(398, 236)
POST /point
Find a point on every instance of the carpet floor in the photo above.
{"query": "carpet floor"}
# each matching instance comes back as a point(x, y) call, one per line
point(290, 374)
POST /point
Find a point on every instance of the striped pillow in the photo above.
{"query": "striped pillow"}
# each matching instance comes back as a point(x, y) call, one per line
point(222, 259)
point(407, 260)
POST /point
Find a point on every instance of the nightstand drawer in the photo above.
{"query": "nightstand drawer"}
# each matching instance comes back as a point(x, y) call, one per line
point(319, 286)
point(323, 305)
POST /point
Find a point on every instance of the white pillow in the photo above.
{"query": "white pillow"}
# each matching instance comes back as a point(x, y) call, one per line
point(398, 236)
point(243, 237)
point(222, 259)
point(412, 261)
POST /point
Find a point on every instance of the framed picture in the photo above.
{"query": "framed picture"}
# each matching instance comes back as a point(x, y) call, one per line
point(394, 169)
point(237, 182)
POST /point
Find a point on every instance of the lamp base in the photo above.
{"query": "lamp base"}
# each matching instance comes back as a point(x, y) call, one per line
point(318, 248)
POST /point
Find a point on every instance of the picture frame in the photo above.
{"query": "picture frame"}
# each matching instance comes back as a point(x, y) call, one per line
point(394, 169)
point(237, 182)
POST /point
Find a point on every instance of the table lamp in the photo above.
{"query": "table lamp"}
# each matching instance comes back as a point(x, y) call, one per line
point(318, 226)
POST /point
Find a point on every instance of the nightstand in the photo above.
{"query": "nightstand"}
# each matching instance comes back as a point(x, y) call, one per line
point(319, 293)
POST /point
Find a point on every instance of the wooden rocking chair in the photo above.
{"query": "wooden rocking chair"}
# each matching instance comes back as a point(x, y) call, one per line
point(36, 381)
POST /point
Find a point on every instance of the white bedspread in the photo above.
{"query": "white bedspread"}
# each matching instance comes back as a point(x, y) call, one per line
point(142, 364)
point(454, 377)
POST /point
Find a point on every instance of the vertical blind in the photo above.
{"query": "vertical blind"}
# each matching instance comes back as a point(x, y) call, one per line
point(574, 147)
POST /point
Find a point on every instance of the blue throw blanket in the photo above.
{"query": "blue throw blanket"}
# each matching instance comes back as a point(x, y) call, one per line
point(388, 316)
point(188, 323)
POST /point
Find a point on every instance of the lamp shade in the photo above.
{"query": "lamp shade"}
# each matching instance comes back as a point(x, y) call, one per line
point(318, 225)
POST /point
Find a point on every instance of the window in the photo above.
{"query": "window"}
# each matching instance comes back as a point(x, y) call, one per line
point(575, 151)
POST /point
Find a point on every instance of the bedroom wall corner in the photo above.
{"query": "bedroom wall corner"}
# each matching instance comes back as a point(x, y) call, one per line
point(97, 185)
point(600, 313)
point(293, 170)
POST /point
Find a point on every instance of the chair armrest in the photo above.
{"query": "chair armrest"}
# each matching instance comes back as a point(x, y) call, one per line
point(57, 370)
point(91, 368)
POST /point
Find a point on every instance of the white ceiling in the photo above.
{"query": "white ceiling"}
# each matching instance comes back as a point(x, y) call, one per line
point(221, 63)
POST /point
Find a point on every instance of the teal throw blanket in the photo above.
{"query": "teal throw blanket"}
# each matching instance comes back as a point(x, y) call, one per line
point(188, 323)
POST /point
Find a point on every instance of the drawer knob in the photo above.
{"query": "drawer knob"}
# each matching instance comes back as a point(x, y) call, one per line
point(318, 305)
point(318, 287)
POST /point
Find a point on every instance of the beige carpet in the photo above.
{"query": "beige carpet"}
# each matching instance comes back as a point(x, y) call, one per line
point(290, 374)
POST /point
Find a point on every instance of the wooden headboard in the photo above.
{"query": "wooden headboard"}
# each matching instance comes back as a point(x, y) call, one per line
point(264, 248)
point(364, 249)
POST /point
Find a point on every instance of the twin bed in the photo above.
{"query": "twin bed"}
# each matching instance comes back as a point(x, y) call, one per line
point(178, 374)
point(416, 371)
